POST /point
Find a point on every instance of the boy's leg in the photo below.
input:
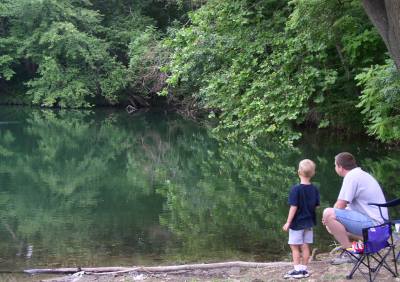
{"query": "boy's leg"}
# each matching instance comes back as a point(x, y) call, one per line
point(296, 239)
point(295, 254)
point(305, 251)
point(305, 247)
point(296, 272)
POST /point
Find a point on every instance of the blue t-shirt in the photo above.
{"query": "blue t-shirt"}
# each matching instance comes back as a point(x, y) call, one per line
point(306, 198)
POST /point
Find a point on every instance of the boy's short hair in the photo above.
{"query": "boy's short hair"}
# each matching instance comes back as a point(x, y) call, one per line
point(346, 160)
point(307, 168)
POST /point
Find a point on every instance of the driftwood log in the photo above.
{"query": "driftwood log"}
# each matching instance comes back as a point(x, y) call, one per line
point(155, 269)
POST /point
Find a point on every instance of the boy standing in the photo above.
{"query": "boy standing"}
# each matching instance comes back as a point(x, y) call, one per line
point(303, 200)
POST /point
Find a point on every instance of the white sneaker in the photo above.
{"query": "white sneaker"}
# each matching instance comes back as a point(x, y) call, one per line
point(296, 274)
point(343, 258)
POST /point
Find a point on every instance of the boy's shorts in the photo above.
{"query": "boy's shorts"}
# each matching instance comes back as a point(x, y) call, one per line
point(300, 237)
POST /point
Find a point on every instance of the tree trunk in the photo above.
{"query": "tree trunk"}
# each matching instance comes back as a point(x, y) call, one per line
point(385, 15)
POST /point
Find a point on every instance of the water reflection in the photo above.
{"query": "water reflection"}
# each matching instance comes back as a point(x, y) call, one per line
point(105, 188)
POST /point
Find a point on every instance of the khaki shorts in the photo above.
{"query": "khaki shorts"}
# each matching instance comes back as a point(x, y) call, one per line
point(300, 237)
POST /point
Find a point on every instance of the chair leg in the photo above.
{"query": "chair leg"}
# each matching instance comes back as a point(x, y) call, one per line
point(395, 261)
point(355, 267)
point(369, 269)
point(382, 263)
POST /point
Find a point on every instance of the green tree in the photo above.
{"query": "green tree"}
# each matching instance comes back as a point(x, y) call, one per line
point(380, 102)
point(263, 67)
point(68, 63)
point(75, 53)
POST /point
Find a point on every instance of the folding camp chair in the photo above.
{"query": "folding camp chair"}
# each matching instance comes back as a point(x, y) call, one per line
point(378, 246)
point(395, 222)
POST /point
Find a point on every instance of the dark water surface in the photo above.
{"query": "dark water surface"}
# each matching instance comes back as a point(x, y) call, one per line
point(105, 188)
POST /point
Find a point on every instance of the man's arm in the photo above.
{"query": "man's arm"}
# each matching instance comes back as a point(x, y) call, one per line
point(340, 204)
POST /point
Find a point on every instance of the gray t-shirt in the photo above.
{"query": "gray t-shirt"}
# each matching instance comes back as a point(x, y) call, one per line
point(359, 188)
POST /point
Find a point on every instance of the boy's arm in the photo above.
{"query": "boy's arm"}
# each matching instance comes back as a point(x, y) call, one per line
point(292, 213)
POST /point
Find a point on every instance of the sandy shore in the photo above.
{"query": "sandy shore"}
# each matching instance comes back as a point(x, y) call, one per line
point(320, 270)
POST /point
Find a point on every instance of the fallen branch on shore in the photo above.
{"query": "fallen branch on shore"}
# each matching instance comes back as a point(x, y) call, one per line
point(155, 269)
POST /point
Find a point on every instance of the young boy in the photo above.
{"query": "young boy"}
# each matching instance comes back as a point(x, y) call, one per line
point(303, 199)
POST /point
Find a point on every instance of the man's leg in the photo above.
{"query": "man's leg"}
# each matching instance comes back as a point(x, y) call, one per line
point(354, 237)
point(335, 228)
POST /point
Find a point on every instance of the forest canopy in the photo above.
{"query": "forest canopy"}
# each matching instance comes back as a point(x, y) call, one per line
point(259, 68)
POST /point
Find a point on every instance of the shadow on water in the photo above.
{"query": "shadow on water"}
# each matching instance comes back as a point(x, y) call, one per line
point(92, 188)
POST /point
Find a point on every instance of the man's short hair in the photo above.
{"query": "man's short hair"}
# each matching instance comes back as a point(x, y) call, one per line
point(307, 168)
point(346, 160)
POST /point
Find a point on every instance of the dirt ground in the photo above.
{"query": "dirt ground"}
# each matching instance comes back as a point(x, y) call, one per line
point(320, 270)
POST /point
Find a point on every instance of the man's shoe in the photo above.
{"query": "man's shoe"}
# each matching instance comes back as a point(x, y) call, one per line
point(295, 274)
point(343, 258)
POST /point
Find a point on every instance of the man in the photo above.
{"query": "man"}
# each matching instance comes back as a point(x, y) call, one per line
point(351, 212)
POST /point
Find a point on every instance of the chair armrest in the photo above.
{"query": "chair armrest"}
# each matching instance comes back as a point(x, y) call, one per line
point(391, 203)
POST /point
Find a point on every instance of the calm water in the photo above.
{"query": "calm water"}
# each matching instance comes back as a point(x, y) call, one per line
point(105, 188)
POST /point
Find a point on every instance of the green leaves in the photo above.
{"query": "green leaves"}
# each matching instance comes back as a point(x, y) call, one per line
point(75, 66)
point(70, 65)
point(58, 87)
point(260, 79)
point(261, 67)
point(5, 67)
point(380, 102)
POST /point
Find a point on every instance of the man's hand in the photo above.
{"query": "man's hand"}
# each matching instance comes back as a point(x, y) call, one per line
point(286, 227)
point(340, 204)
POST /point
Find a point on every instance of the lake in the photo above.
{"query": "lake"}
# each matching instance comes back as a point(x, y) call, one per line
point(105, 188)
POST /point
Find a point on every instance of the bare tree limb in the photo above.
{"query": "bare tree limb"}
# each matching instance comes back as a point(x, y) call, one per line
point(156, 269)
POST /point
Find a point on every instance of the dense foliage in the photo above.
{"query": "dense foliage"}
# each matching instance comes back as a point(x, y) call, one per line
point(73, 53)
point(381, 101)
point(262, 67)
point(66, 61)
point(259, 67)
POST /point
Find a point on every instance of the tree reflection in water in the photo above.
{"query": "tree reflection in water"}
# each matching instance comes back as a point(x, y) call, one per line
point(104, 188)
